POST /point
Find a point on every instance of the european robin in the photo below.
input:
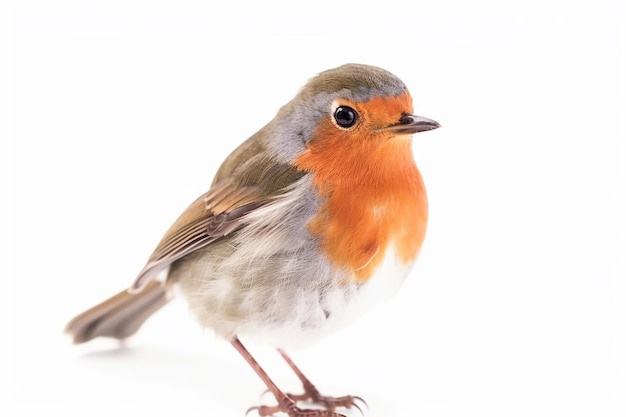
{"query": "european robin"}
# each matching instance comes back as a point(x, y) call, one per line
point(318, 215)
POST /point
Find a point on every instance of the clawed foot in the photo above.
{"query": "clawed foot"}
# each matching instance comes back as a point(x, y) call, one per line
point(311, 394)
point(288, 403)
point(292, 410)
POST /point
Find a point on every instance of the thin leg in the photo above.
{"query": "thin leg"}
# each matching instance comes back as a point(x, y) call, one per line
point(312, 394)
point(285, 404)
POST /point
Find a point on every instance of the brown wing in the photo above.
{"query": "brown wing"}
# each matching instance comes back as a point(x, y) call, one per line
point(213, 215)
point(254, 181)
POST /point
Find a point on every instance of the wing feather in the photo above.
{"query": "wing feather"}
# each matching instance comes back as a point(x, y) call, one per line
point(219, 212)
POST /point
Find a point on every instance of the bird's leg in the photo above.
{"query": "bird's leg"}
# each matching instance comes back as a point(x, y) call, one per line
point(312, 394)
point(285, 403)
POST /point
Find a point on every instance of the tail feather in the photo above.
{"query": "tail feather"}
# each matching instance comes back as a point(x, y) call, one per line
point(120, 316)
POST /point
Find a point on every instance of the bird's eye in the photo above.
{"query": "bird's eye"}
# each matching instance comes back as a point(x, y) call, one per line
point(345, 116)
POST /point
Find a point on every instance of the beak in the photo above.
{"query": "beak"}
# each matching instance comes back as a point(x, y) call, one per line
point(410, 124)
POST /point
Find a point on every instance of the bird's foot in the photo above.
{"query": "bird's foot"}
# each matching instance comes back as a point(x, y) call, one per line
point(288, 406)
point(311, 394)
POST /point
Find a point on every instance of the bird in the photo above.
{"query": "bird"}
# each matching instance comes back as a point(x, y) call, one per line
point(315, 218)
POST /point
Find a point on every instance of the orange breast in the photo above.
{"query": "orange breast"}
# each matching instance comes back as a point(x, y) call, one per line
point(374, 198)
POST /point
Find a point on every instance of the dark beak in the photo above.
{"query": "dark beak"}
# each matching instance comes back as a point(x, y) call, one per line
point(410, 124)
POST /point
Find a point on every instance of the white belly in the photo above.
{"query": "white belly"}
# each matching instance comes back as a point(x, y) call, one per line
point(312, 317)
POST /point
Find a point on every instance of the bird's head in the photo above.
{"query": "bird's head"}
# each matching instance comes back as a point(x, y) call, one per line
point(347, 116)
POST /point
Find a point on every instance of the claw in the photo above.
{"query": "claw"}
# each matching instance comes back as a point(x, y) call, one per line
point(264, 410)
point(356, 398)
point(355, 405)
point(264, 393)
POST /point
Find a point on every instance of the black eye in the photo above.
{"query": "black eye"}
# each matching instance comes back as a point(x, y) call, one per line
point(345, 116)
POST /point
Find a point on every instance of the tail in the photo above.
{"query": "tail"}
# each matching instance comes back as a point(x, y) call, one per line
point(120, 316)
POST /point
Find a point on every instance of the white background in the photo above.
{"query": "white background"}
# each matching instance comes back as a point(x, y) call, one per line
point(121, 112)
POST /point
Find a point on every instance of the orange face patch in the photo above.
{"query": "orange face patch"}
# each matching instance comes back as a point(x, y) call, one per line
point(374, 193)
